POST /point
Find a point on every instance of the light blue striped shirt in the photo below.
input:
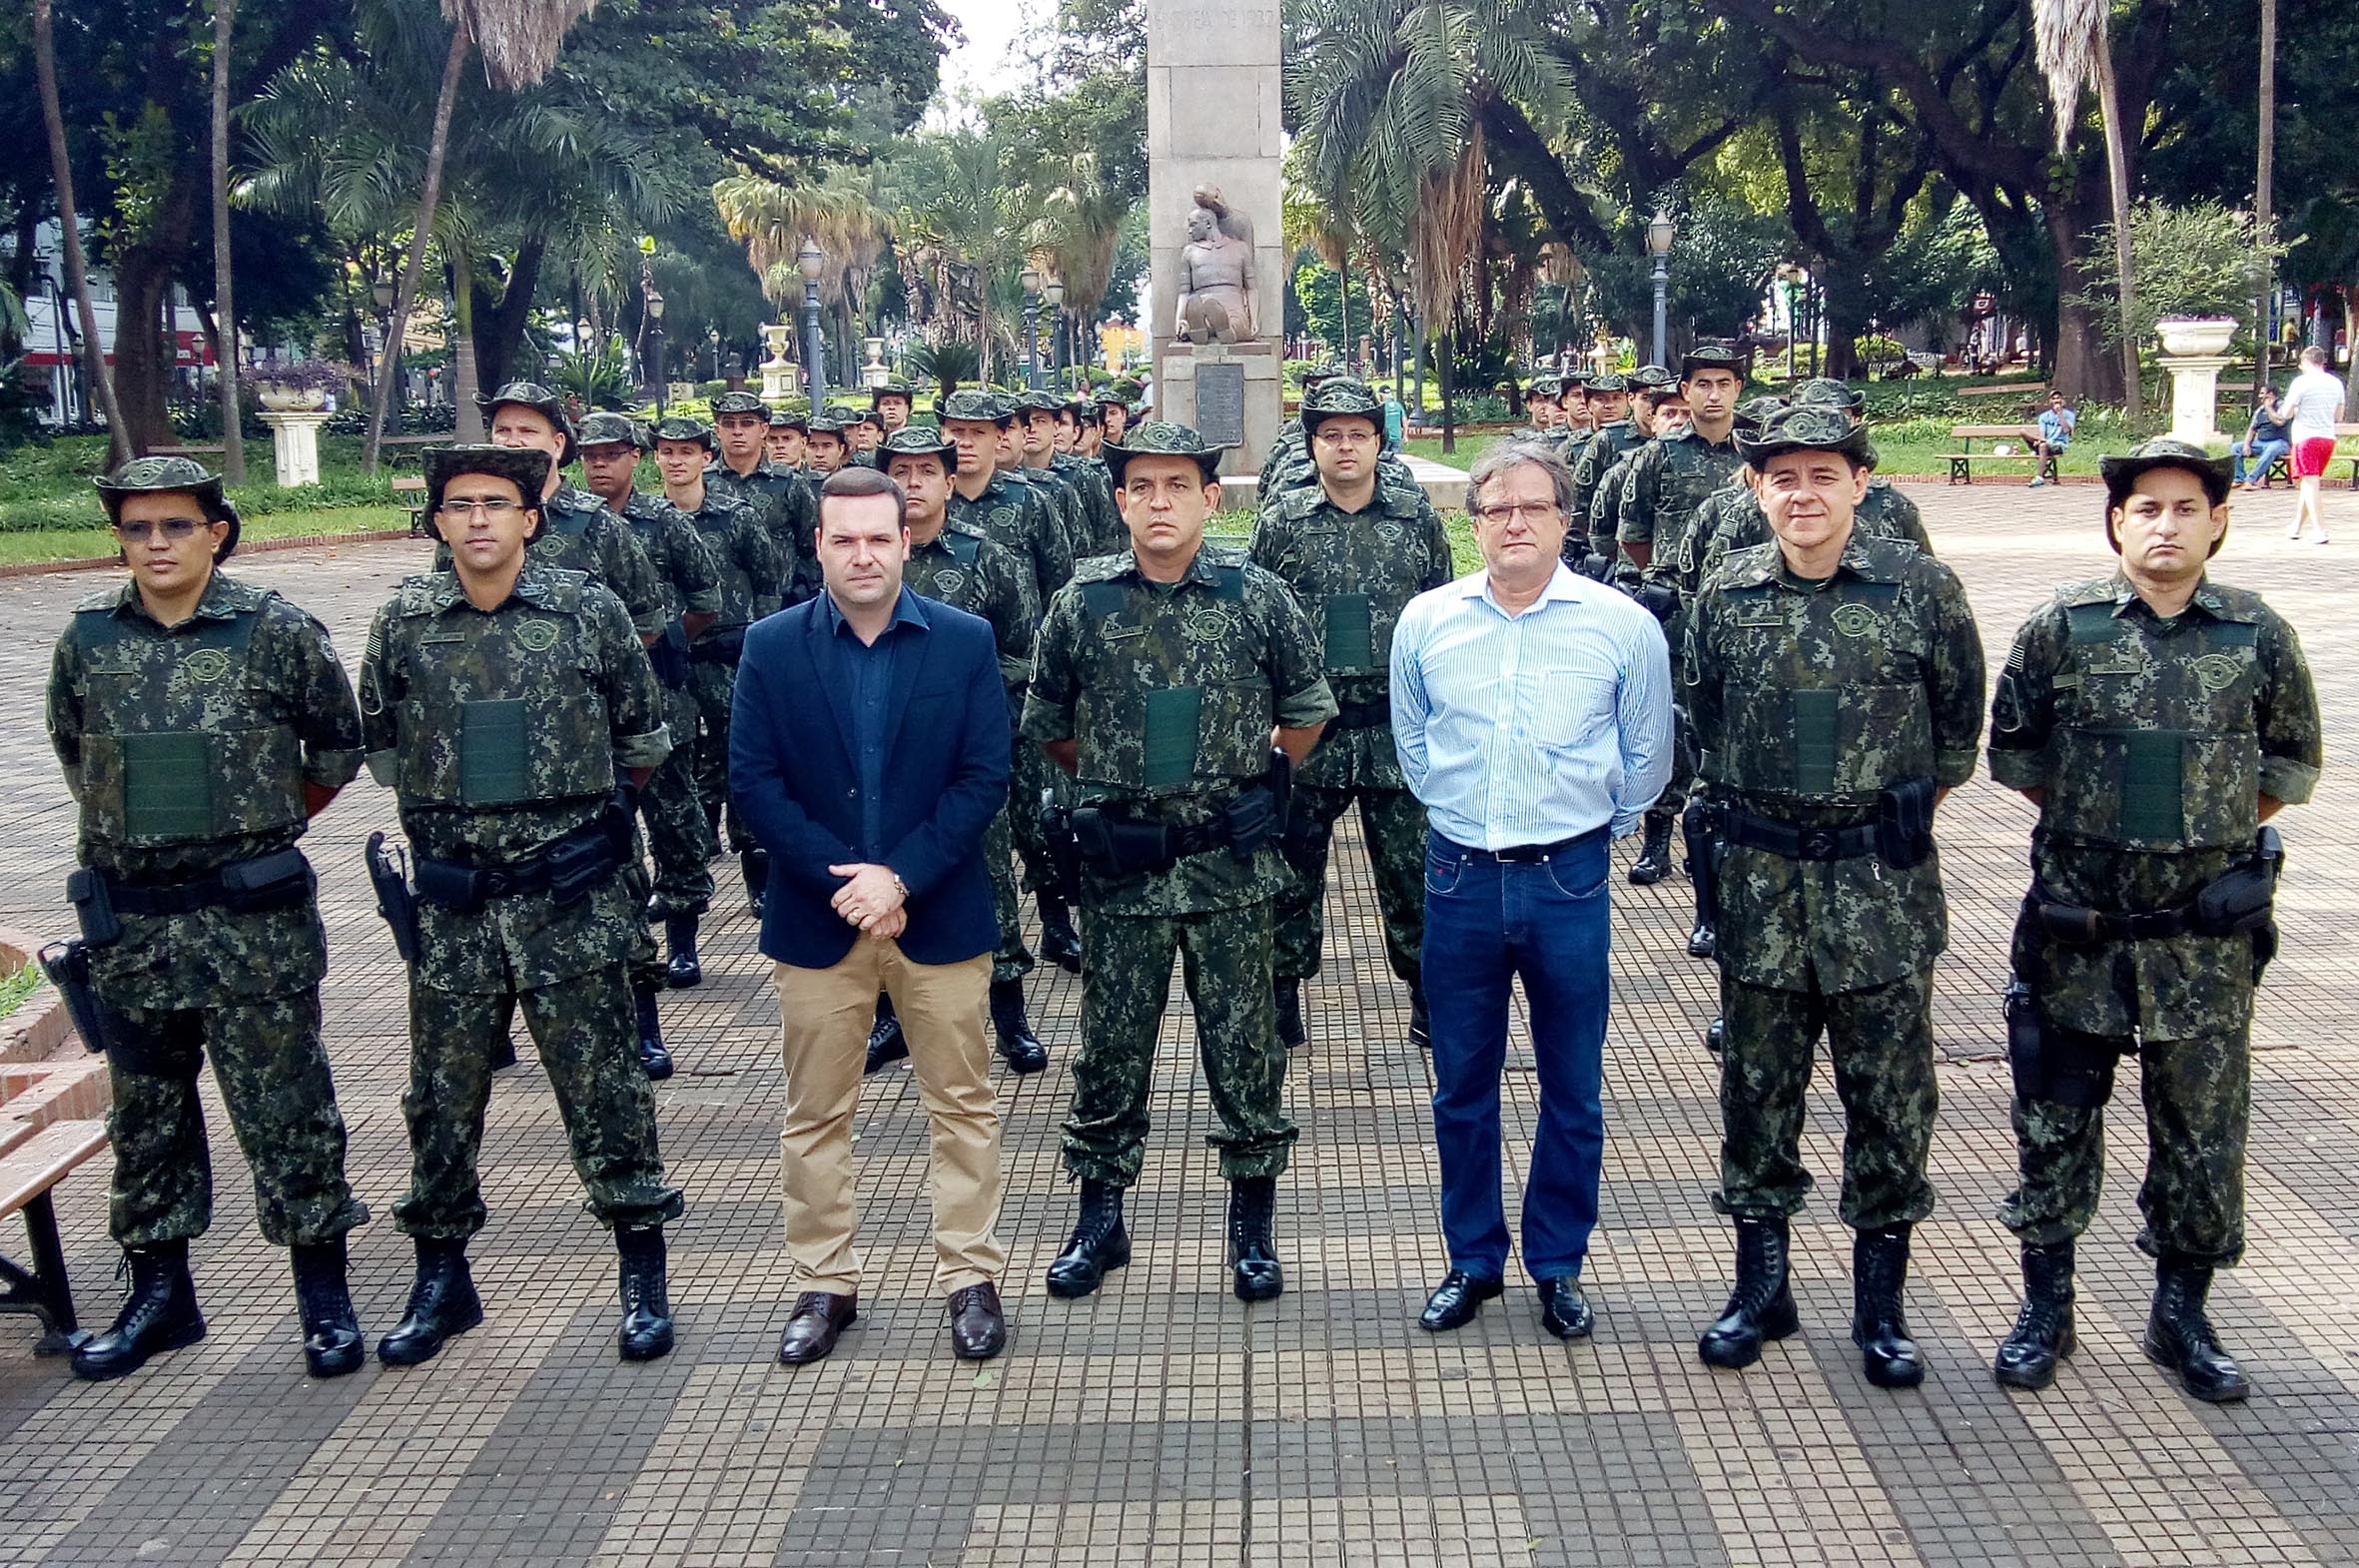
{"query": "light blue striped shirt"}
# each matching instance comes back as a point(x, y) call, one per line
point(1532, 728)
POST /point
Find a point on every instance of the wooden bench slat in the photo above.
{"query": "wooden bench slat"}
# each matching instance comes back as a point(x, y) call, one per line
point(37, 1165)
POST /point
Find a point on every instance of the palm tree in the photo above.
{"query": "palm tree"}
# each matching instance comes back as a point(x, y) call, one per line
point(61, 169)
point(1387, 96)
point(771, 221)
point(2075, 50)
point(520, 41)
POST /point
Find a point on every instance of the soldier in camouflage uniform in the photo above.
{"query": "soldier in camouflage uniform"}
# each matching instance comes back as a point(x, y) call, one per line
point(783, 446)
point(892, 401)
point(678, 833)
point(1669, 478)
point(1034, 430)
point(202, 722)
point(753, 581)
point(1540, 401)
point(864, 431)
point(1044, 419)
point(1164, 677)
point(965, 568)
point(2156, 718)
point(1355, 553)
point(1587, 550)
point(1835, 687)
point(1291, 448)
point(512, 709)
point(825, 445)
point(786, 506)
point(1019, 520)
point(1114, 414)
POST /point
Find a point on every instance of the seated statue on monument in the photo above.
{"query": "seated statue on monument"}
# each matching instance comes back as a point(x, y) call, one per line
point(1216, 281)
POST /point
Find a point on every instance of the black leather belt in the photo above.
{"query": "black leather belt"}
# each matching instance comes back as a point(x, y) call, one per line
point(264, 882)
point(726, 646)
point(1792, 842)
point(1528, 854)
point(1372, 714)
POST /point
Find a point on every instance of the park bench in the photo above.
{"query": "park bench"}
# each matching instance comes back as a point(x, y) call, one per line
point(52, 1119)
point(1963, 460)
point(412, 485)
point(2025, 390)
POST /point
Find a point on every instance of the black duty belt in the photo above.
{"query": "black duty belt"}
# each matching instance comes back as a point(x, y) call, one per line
point(1792, 842)
point(570, 865)
point(264, 882)
point(1372, 714)
point(718, 647)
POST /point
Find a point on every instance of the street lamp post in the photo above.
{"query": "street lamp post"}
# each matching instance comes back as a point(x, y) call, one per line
point(712, 342)
point(1659, 232)
point(808, 261)
point(655, 330)
point(1030, 278)
point(1052, 295)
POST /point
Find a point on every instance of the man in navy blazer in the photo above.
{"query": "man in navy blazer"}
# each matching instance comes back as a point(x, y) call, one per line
point(868, 752)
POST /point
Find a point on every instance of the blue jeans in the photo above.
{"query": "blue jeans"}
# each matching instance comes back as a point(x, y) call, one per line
point(1486, 922)
point(2262, 454)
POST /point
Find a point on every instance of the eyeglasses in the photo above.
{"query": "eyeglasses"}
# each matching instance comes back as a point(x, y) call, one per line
point(496, 510)
point(1529, 512)
point(139, 530)
point(1333, 437)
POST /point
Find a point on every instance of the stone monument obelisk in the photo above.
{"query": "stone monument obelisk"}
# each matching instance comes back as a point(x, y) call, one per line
point(1215, 253)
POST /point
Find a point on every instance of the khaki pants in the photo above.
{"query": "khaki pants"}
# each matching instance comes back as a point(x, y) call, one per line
point(827, 1014)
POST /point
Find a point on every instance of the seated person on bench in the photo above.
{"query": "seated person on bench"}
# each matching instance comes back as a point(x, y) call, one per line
point(2057, 425)
point(2266, 440)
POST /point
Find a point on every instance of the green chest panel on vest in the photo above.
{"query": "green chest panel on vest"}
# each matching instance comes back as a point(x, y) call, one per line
point(180, 744)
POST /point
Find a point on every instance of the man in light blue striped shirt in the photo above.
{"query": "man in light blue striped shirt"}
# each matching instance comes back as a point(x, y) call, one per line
point(1532, 711)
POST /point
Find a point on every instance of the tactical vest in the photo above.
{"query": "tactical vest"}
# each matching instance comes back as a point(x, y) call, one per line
point(1174, 696)
point(1818, 696)
point(2154, 745)
point(179, 745)
point(503, 709)
point(1350, 580)
point(952, 582)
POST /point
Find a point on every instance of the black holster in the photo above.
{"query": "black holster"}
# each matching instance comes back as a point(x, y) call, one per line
point(1701, 830)
point(67, 964)
point(1258, 815)
point(723, 646)
point(2058, 1067)
point(93, 910)
point(1905, 823)
point(1121, 847)
point(388, 873)
point(670, 654)
point(1065, 852)
point(1659, 599)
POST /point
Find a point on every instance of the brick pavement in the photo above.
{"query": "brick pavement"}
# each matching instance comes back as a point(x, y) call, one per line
point(1162, 1422)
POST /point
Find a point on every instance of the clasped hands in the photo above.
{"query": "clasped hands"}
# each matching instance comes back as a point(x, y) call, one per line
point(872, 899)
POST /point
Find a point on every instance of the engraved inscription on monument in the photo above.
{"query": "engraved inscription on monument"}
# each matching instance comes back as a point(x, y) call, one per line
point(1220, 403)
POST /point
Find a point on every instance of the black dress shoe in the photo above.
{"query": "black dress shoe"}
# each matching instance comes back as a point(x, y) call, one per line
point(886, 1043)
point(159, 1315)
point(1457, 1301)
point(977, 1328)
point(1564, 1310)
point(812, 1329)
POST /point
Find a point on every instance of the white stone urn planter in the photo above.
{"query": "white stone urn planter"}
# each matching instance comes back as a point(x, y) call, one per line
point(2197, 334)
point(289, 400)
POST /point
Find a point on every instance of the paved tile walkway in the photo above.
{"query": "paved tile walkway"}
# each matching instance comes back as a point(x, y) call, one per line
point(1162, 1422)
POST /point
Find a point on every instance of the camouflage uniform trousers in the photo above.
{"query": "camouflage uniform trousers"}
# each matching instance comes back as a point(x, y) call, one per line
point(1125, 976)
point(274, 1079)
point(1882, 1044)
point(1013, 960)
point(583, 1031)
point(1392, 821)
point(2198, 1096)
point(711, 684)
point(679, 834)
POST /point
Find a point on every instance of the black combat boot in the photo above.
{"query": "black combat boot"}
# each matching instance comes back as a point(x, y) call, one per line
point(655, 1059)
point(1020, 1048)
point(646, 1303)
point(1703, 938)
point(159, 1315)
point(2180, 1337)
point(1061, 945)
point(504, 1052)
point(885, 1044)
point(1654, 852)
point(2042, 1334)
point(1099, 1243)
point(331, 1333)
point(1288, 995)
point(686, 968)
point(1716, 1033)
point(1421, 1021)
point(1254, 1263)
point(443, 1303)
point(755, 865)
point(1761, 1308)
point(1880, 1267)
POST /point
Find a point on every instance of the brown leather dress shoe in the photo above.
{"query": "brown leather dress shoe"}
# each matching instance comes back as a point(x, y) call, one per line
point(811, 1331)
point(977, 1328)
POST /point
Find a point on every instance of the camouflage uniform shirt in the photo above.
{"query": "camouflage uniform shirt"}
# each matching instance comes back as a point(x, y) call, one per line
point(1022, 523)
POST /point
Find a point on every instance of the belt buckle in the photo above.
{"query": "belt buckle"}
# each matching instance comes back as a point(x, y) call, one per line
point(1818, 844)
point(494, 884)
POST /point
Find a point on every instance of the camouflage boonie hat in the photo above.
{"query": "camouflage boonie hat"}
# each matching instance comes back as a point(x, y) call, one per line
point(918, 440)
point(1573, 380)
point(1162, 438)
point(169, 476)
point(606, 429)
point(1039, 402)
point(1111, 396)
point(1711, 356)
point(1080, 407)
point(533, 395)
point(679, 427)
point(1822, 392)
point(866, 415)
point(825, 422)
point(788, 419)
point(1608, 383)
point(739, 403)
point(528, 467)
point(1758, 412)
point(1321, 370)
point(892, 387)
point(1341, 395)
point(1805, 429)
point(1653, 378)
point(973, 403)
point(2163, 451)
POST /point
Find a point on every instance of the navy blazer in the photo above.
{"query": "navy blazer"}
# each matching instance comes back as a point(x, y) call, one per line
point(797, 785)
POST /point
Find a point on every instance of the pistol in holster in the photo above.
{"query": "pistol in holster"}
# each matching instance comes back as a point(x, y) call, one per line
point(1701, 827)
point(388, 873)
point(67, 964)
point(2060, 1069)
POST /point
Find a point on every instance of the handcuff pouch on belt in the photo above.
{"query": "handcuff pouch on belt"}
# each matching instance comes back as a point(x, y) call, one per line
point(2238, 900)
point(1123, 847)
